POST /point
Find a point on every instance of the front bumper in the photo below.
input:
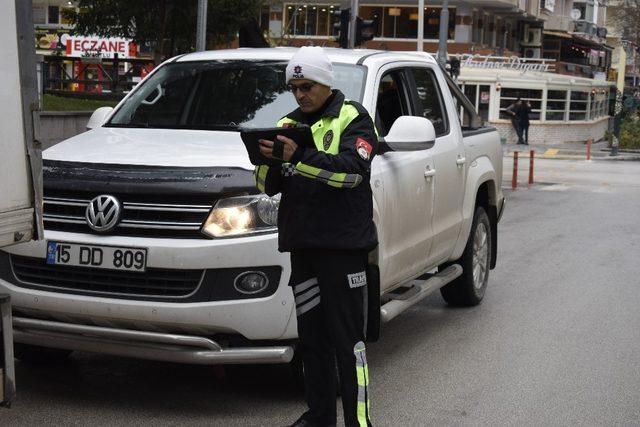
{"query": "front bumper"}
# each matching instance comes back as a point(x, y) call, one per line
point(142, 345)
point(263, 318)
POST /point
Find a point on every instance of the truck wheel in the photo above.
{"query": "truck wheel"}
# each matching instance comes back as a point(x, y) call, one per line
point(39, 355)
point(468, 289)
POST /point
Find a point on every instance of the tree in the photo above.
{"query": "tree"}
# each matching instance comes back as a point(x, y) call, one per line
point(170, 25)
point(625, 15)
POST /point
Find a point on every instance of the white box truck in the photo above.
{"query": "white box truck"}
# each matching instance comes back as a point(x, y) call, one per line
point(20, 158)
point(21, 163)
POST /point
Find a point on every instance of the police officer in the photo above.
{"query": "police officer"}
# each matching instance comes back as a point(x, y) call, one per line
point(325, 220)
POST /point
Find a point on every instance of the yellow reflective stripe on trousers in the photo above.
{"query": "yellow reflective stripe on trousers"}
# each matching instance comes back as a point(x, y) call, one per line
point(260, 175)
point(362, 374)
point(334, 179)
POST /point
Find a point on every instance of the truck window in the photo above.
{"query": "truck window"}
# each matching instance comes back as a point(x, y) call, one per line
point(392, 101)
point(430, 102)
point(220, 95)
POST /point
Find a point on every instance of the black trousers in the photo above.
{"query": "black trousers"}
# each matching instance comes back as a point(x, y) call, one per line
point(525, 132)
point(330, 289)
point(517, 126)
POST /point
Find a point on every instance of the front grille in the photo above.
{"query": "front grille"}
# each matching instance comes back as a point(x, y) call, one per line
point(141, 216)
point(155, 282)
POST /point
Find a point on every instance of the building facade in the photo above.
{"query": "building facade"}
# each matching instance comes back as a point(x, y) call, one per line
point(563, 61)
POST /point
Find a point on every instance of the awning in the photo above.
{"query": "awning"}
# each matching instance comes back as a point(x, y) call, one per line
point(579, 39)
point(557, 34)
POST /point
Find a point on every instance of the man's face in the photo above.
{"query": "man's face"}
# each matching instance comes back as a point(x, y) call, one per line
point(309, 95)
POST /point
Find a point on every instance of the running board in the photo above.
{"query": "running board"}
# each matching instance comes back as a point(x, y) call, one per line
point(418, 291)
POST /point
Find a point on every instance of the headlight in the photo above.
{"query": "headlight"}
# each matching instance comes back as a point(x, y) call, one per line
point(236, 216)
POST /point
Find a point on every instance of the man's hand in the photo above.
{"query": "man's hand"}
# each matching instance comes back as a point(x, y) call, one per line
point(289, 147)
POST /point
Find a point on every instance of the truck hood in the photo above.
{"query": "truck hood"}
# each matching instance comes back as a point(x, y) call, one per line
point(153, 147)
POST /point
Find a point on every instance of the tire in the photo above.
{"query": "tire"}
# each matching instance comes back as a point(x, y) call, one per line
point(36, 355)
point(469, 289)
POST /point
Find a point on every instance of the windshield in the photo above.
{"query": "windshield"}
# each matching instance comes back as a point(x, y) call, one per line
point(220, 95)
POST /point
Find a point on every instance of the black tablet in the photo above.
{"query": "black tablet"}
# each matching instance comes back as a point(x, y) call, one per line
point(251, 136)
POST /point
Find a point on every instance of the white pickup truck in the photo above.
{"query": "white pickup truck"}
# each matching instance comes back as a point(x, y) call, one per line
point(158, 246)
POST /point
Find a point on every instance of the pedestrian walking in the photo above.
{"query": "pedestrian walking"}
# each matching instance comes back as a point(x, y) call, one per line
point(325, 221)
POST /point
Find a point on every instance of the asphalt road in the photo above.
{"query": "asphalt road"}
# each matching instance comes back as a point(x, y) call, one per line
point(555, 342)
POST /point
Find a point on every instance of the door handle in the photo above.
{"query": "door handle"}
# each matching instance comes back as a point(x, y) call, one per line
point(461, 161)
point(428, 172)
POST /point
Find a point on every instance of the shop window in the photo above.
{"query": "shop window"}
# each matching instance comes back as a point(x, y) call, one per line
point(375, 14)
point(598, 104)
point(578, 105)
point(486, 34)
point(54, 15)
point(432, 23)
point(509, 96)
point(431, 105)
point(309, 20)
point(324, 21)
point(555, 115)
point(556, 104)
point(475, 29)
point(402, 22)
point(396, 22)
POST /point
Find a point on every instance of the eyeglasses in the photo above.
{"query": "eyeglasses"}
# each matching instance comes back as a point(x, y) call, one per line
point(304, 88)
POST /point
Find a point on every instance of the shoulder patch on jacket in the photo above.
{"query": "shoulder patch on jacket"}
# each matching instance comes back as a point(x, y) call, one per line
point(363, 148)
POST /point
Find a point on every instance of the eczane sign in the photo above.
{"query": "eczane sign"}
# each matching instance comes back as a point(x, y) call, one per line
point(98, 46)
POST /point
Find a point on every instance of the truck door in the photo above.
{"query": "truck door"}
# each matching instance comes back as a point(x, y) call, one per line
point(20, 168)
point(449, 160)
point(407, 196)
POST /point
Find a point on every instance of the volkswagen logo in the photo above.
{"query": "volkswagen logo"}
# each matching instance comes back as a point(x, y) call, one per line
point(103, 213)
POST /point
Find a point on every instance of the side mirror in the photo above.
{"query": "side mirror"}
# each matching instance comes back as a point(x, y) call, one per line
point(410, 133)
point(99, 117)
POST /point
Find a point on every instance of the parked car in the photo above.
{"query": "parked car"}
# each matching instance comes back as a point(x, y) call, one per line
point(159, 246)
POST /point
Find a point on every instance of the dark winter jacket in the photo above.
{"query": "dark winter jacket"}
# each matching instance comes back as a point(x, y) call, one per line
point(326, 197)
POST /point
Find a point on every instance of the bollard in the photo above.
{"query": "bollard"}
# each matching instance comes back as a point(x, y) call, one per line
point(514, 179)
point(531, 156)
point(589, 141)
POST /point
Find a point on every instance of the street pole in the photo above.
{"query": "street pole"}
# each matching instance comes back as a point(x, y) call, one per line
point(444, 33)
point(201, 28)
point(352, 24)
point(420, 26)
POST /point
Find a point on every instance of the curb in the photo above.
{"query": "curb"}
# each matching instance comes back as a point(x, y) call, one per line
point(559, 155)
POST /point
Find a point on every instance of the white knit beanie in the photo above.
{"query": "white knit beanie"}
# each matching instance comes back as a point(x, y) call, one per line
point(311, 63)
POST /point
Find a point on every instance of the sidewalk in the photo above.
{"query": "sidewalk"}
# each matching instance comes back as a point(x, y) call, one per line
point(569, 151)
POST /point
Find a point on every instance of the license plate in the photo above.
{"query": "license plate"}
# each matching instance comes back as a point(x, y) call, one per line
point(109, 257)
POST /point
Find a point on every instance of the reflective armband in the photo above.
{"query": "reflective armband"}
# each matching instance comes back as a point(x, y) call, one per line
point(333, 179)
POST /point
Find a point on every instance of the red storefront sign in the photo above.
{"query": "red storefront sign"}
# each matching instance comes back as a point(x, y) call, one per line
point(104, 47)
